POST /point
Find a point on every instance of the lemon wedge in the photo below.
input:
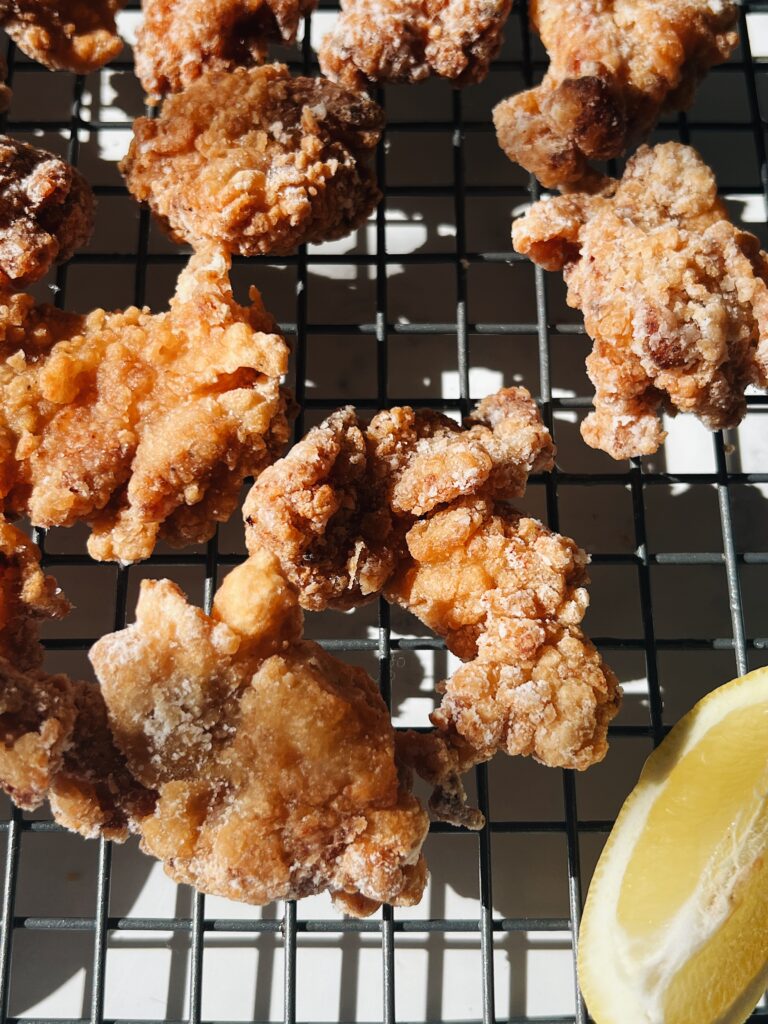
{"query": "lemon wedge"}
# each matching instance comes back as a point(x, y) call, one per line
point(675, 927)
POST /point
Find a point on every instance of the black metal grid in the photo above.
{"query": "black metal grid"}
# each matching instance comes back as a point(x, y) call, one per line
point(637, 479)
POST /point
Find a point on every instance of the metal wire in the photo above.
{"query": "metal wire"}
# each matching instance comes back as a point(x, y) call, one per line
point(637, 479)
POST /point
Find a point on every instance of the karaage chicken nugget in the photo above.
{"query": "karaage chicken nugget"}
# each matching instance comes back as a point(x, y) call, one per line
point(93, 792)
point(336, 508)
point(673, 294)
point(54, 740)
point(508, 595)
point(422, 501)
point(70, 35)
point(615, 65)
point(181, 39)
point(55, 745)
point(257, 160)
point(36, 713)
point(410, 40)
point(144, 425)
point(275, 763)
point(320, 510)
point(37, 717)
point(46, 212)
point(27, 597)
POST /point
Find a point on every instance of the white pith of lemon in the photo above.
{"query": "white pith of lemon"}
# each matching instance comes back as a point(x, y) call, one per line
point(675, 927)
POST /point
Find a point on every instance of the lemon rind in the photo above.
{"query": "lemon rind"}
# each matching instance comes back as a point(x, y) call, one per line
point(611, 998)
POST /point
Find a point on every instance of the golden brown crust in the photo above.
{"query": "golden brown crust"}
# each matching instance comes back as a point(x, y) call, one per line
point(54, 738)
point(257, 161)
point(46, 212)
point(674, 295)
point(55, 744)
point(36, 711)
point(615, 65)
point(142, 424)
point(506, 593)
point(179, 40)
point(274, 762)
point(441, 760)
point(37, 717)
point(93, 792)
point(70, 35)
point(27, 597)
point(410, 40)
point(508, 596)
point(336, 508)
point(320, 510)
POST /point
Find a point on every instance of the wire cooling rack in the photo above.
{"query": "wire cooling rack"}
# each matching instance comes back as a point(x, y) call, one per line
point(426, 306)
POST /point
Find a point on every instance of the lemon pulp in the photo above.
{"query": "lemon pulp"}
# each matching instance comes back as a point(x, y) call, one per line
point(675, 930)
point(703, 817)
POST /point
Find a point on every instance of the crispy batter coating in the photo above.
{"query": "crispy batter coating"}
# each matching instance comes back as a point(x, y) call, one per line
point(36, 717)
point(410, 40)
point(70, 35)
point(275, 763)
point(55, 744)
point(27, 596)
point(336, 508)
point(508, 596)
point(321, 511)
point(93, 792)
point(413, 505)
point(54, 738)
point(142, 424)
point(181, 39)
point(615, 65)
point(257, 161)
point(674, 295)
point(46, 212)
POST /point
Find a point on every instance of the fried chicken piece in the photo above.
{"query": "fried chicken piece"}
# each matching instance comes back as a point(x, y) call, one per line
point(27, 597)
point(46, 212)
point(144, 425)
point(181, 39)
point(414, 506)
point(615, 66)
point(257, 161)
point(410, 40)
point(36, 717)
point(275, 763)
point(54, 738)
point(336, 508)
point(320, 510)
point(508, 596)
point(93, 792)
point(672, 292)
point(55, 744)
point(69, 35)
